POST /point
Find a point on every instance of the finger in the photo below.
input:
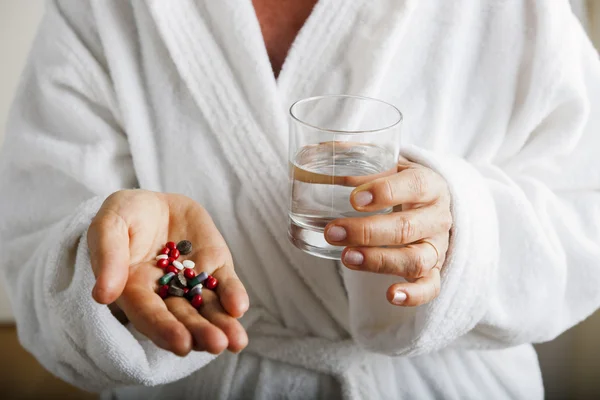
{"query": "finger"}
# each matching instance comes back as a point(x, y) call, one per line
point(207, 337)
point(411, 185)
point(232, 293)
point(214, 312)
point(420, 292)
point(412, 261)
point(393, 229)
point(108, 241)
point(149, 314)
point(216, 260)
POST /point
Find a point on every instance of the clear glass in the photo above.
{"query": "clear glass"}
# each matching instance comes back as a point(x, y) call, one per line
point(337, 143)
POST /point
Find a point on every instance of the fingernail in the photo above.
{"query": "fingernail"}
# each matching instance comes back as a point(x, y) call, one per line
point(362, 199)
point(354, 257)
point(336, 234)
point(399, 297)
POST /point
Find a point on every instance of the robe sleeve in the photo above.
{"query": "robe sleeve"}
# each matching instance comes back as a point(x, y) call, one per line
point(524, 258)
point(65, 150)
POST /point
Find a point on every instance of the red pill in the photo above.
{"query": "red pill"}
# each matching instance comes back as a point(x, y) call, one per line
point(166, 250)
point(197, 301)
point(186, 290)
point(171, 268)
point(211, 282)
point(162, 263)
point(171, 245)
point(174, 254)
point(189, 273)
point(163, 291)
point(171, 259)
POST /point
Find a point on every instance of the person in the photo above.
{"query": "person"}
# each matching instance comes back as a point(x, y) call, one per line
point(137, 123)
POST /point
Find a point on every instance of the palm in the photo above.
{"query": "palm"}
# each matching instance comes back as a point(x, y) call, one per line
point(153, 219)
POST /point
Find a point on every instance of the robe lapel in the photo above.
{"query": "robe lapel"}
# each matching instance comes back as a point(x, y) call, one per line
point(345, 47)
point(242, 107)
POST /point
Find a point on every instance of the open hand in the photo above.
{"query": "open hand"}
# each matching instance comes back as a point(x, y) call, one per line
point(410, 242)
point(131, 227)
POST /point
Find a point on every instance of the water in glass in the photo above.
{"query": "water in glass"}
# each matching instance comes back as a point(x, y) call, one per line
point(322, 177)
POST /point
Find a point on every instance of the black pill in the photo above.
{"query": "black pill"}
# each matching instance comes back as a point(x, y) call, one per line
point(184, 247)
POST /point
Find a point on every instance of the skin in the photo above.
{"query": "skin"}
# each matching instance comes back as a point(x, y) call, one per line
point(394, 244)
point(280, 21)
point(132, 226)
point(124, 238)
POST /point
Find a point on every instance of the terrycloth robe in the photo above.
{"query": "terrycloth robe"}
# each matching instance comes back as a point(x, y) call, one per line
point(499, 97)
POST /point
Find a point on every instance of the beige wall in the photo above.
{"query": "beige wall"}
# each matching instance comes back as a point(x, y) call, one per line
point(570, 363)
point(593, 12)
point(18, 22)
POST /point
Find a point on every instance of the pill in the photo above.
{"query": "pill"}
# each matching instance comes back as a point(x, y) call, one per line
point(163, 291)
point(174, 253)
point(170, 245)
point(162, 263)
point(172, 270)
point(211, 282)
point(194, 282)
point(189, 273)
point(180, 280)
point(177, 265)
point(166, 250)
point(166, 278)
point(161, 256)
point(197, 301)
point(184, 247)
point(189, 264)
point(176, 291)
point(202, 276)
point(196, 290)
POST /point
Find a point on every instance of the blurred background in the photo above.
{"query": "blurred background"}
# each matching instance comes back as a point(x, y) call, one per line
point(570, 364)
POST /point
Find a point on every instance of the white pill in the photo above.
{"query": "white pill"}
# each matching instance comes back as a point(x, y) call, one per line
point(161, 257)
point(178, 265)
point(189, 264)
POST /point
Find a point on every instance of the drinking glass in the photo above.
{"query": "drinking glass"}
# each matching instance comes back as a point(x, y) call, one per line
point(337, 142)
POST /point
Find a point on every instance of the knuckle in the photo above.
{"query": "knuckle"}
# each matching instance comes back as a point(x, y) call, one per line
point(92, 233)
point(404, 230)
point(446, 221)
point(119, 197)
point(366, 234)
point(418, 265)
point(117, 194)
point(418, 182)
point(380, 263)
point(385, 191)
point(173, 334)
point(441, 260)
point(435, 288)
point(107, 220)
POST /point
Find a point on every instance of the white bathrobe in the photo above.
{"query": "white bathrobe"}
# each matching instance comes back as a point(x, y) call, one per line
point(500, 97)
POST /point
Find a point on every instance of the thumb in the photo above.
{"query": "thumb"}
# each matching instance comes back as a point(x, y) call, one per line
point(108, 241)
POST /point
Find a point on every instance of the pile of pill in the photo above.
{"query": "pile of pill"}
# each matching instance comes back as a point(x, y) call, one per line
point(180, 279)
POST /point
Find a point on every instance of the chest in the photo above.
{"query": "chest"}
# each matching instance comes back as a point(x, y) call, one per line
point(280, 21)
